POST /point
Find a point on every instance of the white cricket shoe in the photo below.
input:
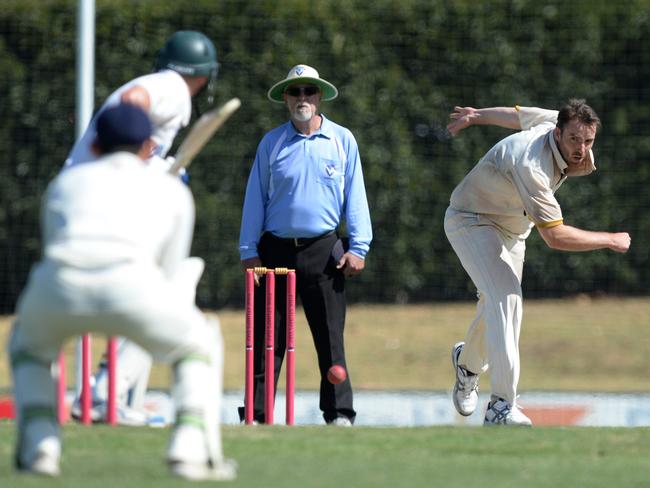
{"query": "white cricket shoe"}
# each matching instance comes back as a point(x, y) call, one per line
point(341, 422)
point(42, 460)
point(125, 415)
point(43, 465)
point(188, 458)
point(500, 412)
point(128, 416)
point(75, 411)
point(255, 422)
point(225, 470)
point(465, 393)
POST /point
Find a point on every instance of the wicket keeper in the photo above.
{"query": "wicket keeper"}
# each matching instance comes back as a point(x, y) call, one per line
point(111, 265)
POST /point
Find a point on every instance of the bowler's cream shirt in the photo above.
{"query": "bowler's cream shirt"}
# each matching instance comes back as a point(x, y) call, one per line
point(514, 183)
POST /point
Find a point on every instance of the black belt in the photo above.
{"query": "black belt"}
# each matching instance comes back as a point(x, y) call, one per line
point(300, 241)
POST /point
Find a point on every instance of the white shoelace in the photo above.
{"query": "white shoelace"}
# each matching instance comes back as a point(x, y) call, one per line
point(467, 382)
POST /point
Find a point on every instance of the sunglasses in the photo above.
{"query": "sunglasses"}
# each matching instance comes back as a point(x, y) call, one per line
point(296, 91)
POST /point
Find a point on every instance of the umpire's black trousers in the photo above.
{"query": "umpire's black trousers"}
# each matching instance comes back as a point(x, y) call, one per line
point(321, 288)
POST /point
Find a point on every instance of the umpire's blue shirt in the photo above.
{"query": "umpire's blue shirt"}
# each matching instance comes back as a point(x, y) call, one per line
point(302, 185)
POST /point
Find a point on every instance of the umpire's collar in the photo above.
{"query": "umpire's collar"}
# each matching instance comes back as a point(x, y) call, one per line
point(326, 129)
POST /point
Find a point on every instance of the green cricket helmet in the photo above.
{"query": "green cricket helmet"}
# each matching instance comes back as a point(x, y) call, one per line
point(190, 53)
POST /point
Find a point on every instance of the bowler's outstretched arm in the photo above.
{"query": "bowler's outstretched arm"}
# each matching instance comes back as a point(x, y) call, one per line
point(463, 117)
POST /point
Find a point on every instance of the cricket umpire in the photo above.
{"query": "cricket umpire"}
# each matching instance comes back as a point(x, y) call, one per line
point(305, 180)
point(116, 239)
point(491, 213)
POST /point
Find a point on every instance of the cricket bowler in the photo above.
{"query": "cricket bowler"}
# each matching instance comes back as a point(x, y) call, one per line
point(491, 213)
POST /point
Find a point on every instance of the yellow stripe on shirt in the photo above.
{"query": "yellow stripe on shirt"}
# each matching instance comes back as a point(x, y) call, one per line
point(547, 225)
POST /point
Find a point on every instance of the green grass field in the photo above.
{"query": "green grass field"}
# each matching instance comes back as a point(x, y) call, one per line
point(572, 345)
point(359, 457)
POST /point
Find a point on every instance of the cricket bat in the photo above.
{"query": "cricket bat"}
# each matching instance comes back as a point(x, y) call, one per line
point(201, 132)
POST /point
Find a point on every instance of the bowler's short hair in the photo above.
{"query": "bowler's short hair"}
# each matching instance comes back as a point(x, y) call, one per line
point(578, 109)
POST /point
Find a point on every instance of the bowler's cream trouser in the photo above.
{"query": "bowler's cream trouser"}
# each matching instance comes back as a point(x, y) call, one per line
point(133, 300)
point(494, 260)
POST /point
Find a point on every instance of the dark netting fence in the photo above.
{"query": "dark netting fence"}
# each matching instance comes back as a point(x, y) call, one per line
point(400, 66)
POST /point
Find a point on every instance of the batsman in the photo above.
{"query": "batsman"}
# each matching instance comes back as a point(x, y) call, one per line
point(185, 68)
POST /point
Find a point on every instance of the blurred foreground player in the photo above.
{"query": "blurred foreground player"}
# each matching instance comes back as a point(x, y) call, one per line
point(116, 266)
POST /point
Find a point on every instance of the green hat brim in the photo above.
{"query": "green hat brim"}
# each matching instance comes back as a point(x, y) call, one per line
point(328, 91)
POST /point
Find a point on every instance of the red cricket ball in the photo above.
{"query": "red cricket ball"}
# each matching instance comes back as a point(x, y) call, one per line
point(336, 374)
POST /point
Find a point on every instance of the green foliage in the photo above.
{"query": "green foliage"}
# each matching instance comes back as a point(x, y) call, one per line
point(400, 68)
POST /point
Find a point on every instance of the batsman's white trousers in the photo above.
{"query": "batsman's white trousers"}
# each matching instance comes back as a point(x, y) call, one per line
point(493, 259)
point(133, 300)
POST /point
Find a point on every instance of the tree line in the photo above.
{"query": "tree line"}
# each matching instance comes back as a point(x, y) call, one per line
point(400, 68)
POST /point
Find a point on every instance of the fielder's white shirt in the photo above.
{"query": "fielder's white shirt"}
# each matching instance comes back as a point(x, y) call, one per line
point(114, 210)
point(514, 183)
point(170, 111)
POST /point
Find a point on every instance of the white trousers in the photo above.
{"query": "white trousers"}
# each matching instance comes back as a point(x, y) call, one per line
point(134, 362)
point(493, 259)
point(132, 300)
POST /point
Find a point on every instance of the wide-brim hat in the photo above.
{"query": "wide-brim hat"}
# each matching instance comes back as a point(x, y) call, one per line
point(302, 73)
